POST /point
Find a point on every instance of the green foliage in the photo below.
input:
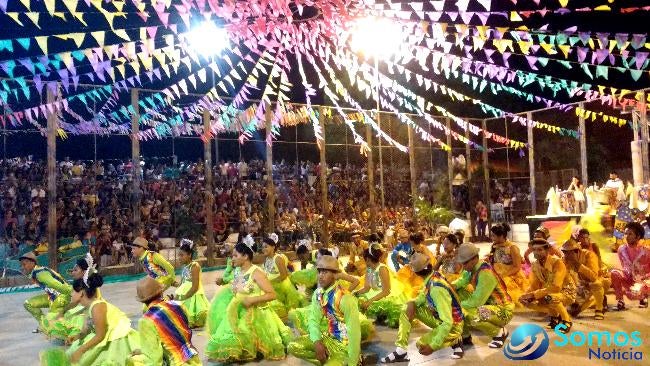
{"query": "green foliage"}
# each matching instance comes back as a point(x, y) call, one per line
point(433, 214)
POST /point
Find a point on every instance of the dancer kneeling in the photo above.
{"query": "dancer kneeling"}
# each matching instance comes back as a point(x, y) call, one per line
point(275, 267)
point(165, 334)
point(381, 297)
point(488, 307)
point(190, 292)
point(438, 307)
point(552, 289)
point(240, 322)
point(334, 330)
point(107, 339)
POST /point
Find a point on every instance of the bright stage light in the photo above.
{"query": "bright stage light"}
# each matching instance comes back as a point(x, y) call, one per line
point(207, 39)
point(377, 37)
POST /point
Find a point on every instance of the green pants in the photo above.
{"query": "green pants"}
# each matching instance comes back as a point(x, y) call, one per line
point(34, 305)
point(488, 319)
point(424, 314)
point(337, 352)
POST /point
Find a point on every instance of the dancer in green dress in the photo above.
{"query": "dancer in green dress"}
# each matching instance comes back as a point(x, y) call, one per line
point(57, 290)
point(275, 267)
point(74, 316)
point(381, 296)
point(241, 323)
point(106, 340)
point(190, 292)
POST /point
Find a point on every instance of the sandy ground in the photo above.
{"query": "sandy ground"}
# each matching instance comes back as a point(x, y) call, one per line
point(18, 346)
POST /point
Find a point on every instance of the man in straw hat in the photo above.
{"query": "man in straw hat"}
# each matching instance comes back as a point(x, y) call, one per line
point(165, 334)
point(438, 307)
point(441, 232)
point(57, 290)
point(542, 232)
point(583, 265)
point(339, 341)
point(153, 263)
point(488, 306)
point(551, 287)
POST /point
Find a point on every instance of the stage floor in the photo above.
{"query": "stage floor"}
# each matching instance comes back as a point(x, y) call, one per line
point(18, 346)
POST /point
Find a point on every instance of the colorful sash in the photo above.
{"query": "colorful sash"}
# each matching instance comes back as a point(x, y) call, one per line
point(330, 306)
point(499, 295)
point(153, 270)
point(436, 279)
point(51, 293)
point(172, 325)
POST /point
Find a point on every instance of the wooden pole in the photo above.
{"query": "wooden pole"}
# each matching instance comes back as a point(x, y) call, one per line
point(371, 182)
point(531, 165)
point(583, 146)
point(486, 172)
point(468, 166)
point(270, 189)
point(643, 121)
point(450, 166)
point(135, 158)
point(325, 228)
point(52, 249)
point(209, 196)
point(414, 191)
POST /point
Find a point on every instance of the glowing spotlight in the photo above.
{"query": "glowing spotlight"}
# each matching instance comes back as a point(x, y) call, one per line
point(207, 39)
point(378, 37)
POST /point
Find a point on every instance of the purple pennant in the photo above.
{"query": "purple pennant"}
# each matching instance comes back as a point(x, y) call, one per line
point(604, 39)
point(640, 58)
point(3, 5)
point(601, 55)
point(582, 53)
point(584, 37)
point(621, 38)
point(638, 40)
point(531, 61)
point(488, 54)
point(506, 56)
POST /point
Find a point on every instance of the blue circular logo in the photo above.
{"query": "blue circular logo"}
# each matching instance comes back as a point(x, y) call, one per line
point(527, 342)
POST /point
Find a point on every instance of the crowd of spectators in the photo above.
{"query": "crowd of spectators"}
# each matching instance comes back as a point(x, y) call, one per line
point(95, 201)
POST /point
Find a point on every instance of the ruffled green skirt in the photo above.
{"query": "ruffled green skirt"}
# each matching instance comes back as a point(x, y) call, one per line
point(61, 328)
point(287, 298)
point(196, 306)
point(238, 334)
point(106, 353)
point(387, 309)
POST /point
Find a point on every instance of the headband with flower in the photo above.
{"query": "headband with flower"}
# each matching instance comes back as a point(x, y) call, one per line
point(249, 242)
point(274, 237)
point(92, 268)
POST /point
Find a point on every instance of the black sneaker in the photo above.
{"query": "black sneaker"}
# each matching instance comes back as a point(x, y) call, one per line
point(620, 306)
point(643, 303)
point(554, 321)
point(457, 350)
point(605, 306)
point(567, 326)
point(36, 331)
point(467, 341)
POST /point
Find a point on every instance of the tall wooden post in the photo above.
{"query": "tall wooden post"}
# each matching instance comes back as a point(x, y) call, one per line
point(450, 165)
point(643, 122)
point(52, 249)
point(468, 166)
point(486, 172)
point(531, 164)
point(325, 228)
point(135, 158)
point(582, 130)
point(414, 191)
point(270, 188)
point(209, 195)
point(371, 182)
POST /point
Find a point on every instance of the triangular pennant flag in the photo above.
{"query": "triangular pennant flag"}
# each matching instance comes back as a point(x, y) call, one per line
point(42, 43)
point(14, 16)
point(99, 37)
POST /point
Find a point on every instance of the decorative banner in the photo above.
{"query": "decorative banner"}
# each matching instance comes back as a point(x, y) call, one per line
point(587, 114)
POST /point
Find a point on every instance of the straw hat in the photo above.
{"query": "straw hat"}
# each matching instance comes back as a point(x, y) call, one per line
point(327, 262)
point(419, 261)
point(570, 245)
point(544, 231)
point(148, 288)
point(29, 255)
point(402, 232)
point(465, 252)
point(140, 242)
point(442, 230)
point(539, 243)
